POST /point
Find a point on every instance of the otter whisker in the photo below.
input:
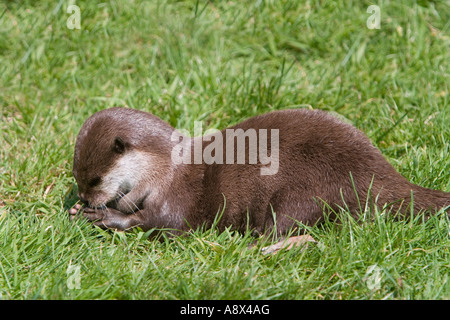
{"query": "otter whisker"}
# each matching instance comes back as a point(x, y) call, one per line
point(101, 206)
point(132, 202)
point(133, 207)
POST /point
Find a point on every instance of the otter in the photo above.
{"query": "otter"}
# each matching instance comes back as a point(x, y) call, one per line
point(128, 177)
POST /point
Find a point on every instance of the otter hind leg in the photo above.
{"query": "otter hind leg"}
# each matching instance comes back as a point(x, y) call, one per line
point(287, 209)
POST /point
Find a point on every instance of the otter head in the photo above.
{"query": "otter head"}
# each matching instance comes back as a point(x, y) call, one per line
point(120, 152)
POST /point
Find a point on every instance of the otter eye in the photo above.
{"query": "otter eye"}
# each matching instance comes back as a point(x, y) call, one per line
point(119, 145)
point(94, 182)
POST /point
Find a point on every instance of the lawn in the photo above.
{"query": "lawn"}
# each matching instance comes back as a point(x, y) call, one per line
point(219, 62)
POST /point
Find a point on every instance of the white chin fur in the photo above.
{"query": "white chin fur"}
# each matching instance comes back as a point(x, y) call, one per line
point(126, 174)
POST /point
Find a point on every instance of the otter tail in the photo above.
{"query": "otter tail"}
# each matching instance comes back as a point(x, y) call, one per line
point(430, 200)
point(406, 197)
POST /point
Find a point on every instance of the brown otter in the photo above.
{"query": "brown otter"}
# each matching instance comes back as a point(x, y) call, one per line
point(127, 175)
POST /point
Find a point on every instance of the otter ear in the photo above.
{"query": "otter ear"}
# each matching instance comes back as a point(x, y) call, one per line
point(119, 145)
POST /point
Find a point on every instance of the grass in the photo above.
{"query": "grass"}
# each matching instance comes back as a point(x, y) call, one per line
point(220, 63)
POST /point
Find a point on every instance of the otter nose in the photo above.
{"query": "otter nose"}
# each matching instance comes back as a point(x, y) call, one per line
point(83, 199)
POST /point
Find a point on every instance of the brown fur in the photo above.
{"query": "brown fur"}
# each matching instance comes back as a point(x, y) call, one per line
point(319, 156)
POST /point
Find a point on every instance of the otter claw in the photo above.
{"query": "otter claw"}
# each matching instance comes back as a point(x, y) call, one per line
point(74, 211)
point(108, 218)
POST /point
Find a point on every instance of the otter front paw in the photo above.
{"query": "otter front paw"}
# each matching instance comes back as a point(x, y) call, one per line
point(105, 218)
point(73, 212)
